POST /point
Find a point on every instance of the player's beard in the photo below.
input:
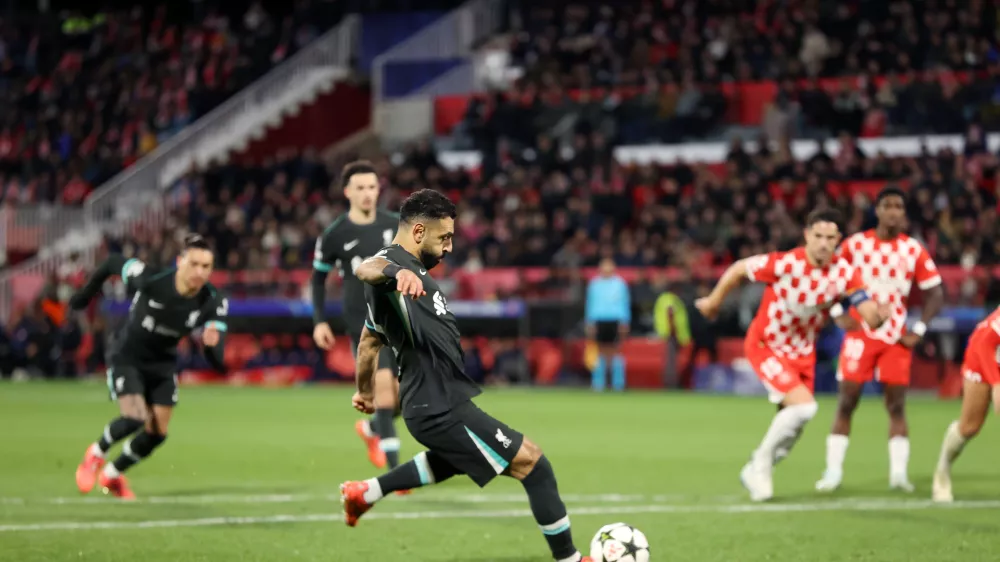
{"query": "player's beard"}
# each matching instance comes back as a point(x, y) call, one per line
point(430, 260)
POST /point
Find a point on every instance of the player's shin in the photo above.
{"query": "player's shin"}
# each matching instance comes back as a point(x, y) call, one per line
point(951, 446)
point(425, 469)
point(784, 428)
point(139, 448)
point(115, 431)
point(383, 426)
point(549, 510)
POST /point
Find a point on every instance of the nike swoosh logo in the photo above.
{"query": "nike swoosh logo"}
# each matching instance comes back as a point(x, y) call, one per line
point(349, 245)
point(423, 272)
point(154, 304)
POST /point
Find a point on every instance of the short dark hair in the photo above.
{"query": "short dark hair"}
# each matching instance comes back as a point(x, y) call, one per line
point(826, 215)
point(196, 241)
point(889, 191)
point(353, 168)
point(426, 204)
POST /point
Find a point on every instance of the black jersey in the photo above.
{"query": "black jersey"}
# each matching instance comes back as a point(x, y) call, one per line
point(344, 245)
point(159, 316)
point(424, 335)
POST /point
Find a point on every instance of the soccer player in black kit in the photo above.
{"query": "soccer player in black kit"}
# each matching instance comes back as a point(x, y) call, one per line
point(167, 305)
point(408, 313)
point(354, 236)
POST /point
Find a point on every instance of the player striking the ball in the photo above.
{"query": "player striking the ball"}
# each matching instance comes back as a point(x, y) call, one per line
point(890, 262)
point(780, 344)
point(351, 238)
point(981, 372)
point(167, 305)
point(407, 312)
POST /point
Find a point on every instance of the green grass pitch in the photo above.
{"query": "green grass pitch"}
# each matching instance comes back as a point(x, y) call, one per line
point(251, 474)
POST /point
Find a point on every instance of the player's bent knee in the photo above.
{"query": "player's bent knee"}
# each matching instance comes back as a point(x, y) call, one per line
point(969, 428)
point(525, 459)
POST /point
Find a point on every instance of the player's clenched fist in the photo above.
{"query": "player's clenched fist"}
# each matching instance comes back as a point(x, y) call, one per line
point(409, 284)
point(210, 337)
point(364, 403)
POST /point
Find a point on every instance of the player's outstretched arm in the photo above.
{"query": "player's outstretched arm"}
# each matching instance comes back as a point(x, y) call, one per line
point(116, 264)
point(732, 278)
point(377, 270)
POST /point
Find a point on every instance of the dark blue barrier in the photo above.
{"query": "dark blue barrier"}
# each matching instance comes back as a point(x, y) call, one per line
point(381, 32)
point(401, 79)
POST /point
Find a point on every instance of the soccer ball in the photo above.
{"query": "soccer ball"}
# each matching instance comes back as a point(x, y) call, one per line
point(619, 542)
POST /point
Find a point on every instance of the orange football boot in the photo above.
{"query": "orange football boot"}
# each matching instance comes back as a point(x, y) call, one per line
point(86, 472)
point(117, 487)
point(375, 455)
point(352, 496)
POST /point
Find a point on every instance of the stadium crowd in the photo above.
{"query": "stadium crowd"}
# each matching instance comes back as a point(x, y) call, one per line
point(563, 202)
point(665, 71)
point(85, 97)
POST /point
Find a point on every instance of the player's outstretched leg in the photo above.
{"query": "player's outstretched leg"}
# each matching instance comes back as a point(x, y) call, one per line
point(533, 469)
point(96, 454)
point(140, 447)
point(838, 440)
point(799, 408)
point(112, 478)
point(975, 405)
point(425, 469)
point(899, 440)
point(785, 448)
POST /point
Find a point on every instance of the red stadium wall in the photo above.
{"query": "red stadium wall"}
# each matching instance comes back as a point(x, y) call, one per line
point(646, 360)
point(317, 125)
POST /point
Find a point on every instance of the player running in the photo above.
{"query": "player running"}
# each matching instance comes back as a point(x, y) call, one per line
point(407, 312)
point(167, 305)
point(982, 378)
point(890, 263)
point(780, 344)
point(351, 238)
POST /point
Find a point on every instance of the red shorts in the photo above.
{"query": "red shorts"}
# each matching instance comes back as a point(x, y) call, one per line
point(980, 364)
point(863, 359)
point(779, 374)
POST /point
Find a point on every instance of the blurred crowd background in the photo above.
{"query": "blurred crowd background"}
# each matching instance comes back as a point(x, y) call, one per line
point(85, 94)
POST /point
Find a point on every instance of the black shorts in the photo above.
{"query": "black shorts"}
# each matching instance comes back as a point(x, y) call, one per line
point(472, 441)
point(386, 358)
point(157, 384)
point(606, 332)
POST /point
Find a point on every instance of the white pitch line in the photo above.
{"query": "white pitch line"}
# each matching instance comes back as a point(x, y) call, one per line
point(863, 505)
point(304, 498)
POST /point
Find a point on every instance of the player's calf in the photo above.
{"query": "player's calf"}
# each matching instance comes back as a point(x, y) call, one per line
point(533, 469)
